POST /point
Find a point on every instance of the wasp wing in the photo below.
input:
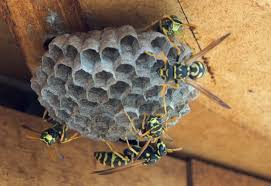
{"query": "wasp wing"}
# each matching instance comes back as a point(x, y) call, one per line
point(143, 148)
point(31, 129)
point(167, 138)
point(118, 169)
point(207, 49)
point(208, 93)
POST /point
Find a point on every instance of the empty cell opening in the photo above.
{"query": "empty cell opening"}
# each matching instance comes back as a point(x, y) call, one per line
point(150, 107)
point(88, 104)
point(81, 120)
point(76, 92)
point(56, 85)
point(153, 92)
point(156, 66)
point(47, 65)
point(89, 58)
point(118, 89)
point(87, 108)
point(102, 78)
point(82, 78)
point(126, 69)
point(63, 115)
point(145, 60)
point(97, 95)
point(71, 52)
point(133, 100)
point(172, 55)
point(129, 44)
point(50, 97)
point(68, 104)
point(103, 121)
point(141, 82)
point(159, 44)
point(55, 51)
point(110, 54)
point(63, 72)
point(114, 105)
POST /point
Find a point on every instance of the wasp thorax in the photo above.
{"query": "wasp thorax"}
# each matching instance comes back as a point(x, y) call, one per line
point(197, 69)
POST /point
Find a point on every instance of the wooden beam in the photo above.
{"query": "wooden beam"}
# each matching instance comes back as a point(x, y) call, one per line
point(32, 22)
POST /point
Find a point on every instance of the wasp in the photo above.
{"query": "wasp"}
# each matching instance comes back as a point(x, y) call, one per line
point(153, 127)
point(118, 162)
point(170, 26)
point(55, 134)
point(187, 72)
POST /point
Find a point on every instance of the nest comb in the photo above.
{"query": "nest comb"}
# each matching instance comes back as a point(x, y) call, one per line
point(88, 80)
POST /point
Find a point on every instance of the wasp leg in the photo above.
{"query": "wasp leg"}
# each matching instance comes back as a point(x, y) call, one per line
point(165, 109)
point(161, 56)
point(115, 152)
point(174, 150)
point(44, 115)
point(149, 26)
point(131, 121)
point(164, 90)
point(73, 137)
point(131, 148)
point(144, 121)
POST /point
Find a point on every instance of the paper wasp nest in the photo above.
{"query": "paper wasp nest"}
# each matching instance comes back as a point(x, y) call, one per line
point(88, 80)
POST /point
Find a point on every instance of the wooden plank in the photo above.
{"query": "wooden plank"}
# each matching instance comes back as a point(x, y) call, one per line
point(32, 22)
point(204, 174)
point(26, 162)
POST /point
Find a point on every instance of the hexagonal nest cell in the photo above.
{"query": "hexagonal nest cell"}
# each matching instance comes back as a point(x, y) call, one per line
point(89, 83)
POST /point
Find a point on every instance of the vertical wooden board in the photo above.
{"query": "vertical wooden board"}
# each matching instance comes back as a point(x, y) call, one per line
point(26, 162)
point(32, 22)
point(204, 174)
point(12, 62)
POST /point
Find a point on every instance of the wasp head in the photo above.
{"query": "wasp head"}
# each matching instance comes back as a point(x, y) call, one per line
point(47, 138)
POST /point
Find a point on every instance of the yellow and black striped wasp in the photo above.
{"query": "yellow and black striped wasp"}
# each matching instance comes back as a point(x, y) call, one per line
point(119, 162)
point(170, 26)
point(55, 134)
point(187, 72)
point(153, 127)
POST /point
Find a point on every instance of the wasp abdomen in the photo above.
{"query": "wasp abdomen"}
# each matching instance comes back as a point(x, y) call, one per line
point(110, 159)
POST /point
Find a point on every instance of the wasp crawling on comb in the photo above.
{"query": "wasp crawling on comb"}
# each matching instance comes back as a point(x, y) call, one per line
point(188, 71)
point(170, 26)
point(55, 134)
point(119, 162)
